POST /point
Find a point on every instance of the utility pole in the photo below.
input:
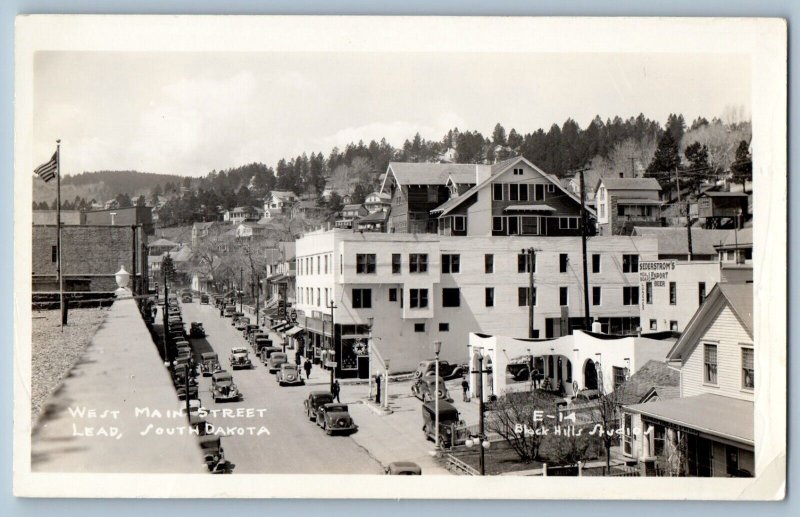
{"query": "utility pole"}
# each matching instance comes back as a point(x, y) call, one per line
point(531, 262)
point(689, 232)
point(241, 289)
point(586, 315)
point(258, 289)
point(164, 312)
point(331, 306)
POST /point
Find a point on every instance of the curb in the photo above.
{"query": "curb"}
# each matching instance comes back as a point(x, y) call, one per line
point(376, 409)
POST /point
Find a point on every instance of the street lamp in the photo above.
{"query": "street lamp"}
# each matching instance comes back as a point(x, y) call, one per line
point(386, 381)
point(481, 437)
point(437, 347)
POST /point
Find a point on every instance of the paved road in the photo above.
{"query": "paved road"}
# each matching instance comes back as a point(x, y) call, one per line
point(294, 445)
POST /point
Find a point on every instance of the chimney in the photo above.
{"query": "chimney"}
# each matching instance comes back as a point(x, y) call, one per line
point(482, 173)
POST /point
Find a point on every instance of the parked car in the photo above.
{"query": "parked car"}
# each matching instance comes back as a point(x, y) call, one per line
point(335, 418)
point(403, 468)
point(314, 401)
point(236, 316)
point(255, 336)
point(242, 322)
point(204, 300)
point(447, 370)
point(196, 330)
point(186, 298)
point(211, 445)
point(249, 329)
point(424, 389)
point(223, 387)
point(452, 429)
point(289, 375)
point(209, 363)
point(276, 359)
point(239, 358)
point(265, 352)
point(229, 311)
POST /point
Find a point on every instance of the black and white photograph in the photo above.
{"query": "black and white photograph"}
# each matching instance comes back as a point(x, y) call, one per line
point(266, 249)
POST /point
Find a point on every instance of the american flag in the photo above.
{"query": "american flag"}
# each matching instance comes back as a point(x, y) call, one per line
point(47, 171)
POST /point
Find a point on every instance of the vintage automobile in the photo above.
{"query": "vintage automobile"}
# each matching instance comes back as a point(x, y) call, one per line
point(209, 363)
point(181, 390)
point(334, 418)
point(314, 401)
point(289, 375)
point(196, 330)
point(183, 349)
point(229, 311)
point(447, 370)
point(250, 329)
point(211, 446)
point(223, 387)
point(239, 358)
point(186, 298)
point(256, 336)
point(242, 322)
point(266, 351)
point(403, 468)
point(276, 359)
point(452, 429)
point(425, 387)
point(236, 317)
point(204, 300)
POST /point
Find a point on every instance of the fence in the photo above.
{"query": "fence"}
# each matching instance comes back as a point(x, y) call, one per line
point(457, 466)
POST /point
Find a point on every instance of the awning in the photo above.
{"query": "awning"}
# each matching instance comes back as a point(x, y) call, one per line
point(277, 326)
point(294, 331)
point(529, 208)
point(715, 415)
point(623, 201)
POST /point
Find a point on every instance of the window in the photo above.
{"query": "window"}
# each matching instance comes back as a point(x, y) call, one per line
point(513, 192)
point(418, 263)
point(54, 254)
point(648, 292)
point(539, 192)
point(523, 296)
point(497, 192)
point(444, 327)
point(602, 211)
point(673, 293)
point(529, 225)
point(595, 263)
point(747, 369)
point(396, 263)
point(653, 325)
point(563, 260)
point(459, 223)
point(451, 263)
point(630, 263)
point(517, 172)
point(513, 225)
point(488, 263)
point(710, 364)
point(451, 297)
point(326, 264)
point(524, 263)
point(659, 440)
point(630, 295)
point(419, 327)
point(319, 260)
point(341, 264)
point(619, 376)
point(319, 299)
point(326, 297)
point(701, 293)
point(568, 223)
point(551, 188)
point(362, 298)
point(523, 192)
point(563, 296)
point(489, 297)
point(419, 298)
point(393, 294)
point(596, 295)
point(673, 325)
point(365, 263)
point(498, 225)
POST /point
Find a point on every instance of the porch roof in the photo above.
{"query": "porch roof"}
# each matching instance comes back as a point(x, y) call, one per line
point(529, 208)
point(725, 417)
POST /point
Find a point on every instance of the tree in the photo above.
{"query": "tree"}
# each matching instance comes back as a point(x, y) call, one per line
point(123, 200)
point(168, 267)
point(697, 156)
point(499, 135)
point(514, 140)
point(742, 167)
point(606, 415)
point(334, 203)
point(141, 201)
point(515, 420)
point(665, 160)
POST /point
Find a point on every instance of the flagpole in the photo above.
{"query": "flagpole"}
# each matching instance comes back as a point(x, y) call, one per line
point(58, 233)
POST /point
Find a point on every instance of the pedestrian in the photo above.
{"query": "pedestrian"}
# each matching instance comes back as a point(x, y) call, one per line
point(335, 390)
point(535, 378)
point(307, 368)
point(154, 310)
point(465, 387)
point(378, 380)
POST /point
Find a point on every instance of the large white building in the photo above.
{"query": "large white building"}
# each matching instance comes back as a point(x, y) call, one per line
point(419, 288)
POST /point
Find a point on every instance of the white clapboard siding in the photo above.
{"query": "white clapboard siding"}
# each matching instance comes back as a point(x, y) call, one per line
point(729, 335)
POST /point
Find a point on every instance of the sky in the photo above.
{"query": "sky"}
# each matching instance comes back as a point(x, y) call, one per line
point(189, 113)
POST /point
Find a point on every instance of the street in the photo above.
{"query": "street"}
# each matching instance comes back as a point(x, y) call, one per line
point(294, 444)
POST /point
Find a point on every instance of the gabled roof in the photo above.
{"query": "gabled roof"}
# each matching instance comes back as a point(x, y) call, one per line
point(355, 206)
point(497, 170)
point(674, 240)
point(739, 297)
point(710, 193)
point(743, 239)
point(425, 173)
point(652, 374)
point(375, 217)
point(630, 184)
point(163, 242)
point(462, 177)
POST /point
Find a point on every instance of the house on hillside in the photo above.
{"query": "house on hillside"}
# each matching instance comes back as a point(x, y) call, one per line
point(200, 232)
point(513, 197)
point(377, 202)
point(623, 203)
point(250, 230)
point(279, 202)
point(723, 209)
point(241, 214)
point(307, 209)
point(374, 222)
point(161, 246)
point(709, 430)
point(350, 214)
